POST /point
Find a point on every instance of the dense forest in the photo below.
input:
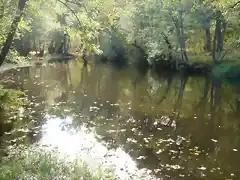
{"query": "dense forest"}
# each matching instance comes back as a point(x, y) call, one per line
point(180, 31)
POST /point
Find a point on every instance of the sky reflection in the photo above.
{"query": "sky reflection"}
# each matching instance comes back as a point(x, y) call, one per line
point(77, 142)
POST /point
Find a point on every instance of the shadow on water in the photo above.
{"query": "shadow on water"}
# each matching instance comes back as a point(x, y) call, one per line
point(169, 126)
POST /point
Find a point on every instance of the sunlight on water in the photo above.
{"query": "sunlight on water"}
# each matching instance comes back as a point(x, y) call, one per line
point(77, 142)
point(167, 125)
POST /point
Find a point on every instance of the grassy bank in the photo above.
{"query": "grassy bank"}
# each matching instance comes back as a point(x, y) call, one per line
point(40, 164)
point(230, 57)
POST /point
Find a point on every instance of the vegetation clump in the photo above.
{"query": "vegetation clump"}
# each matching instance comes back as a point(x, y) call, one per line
point(10, 100)
point(39, 163)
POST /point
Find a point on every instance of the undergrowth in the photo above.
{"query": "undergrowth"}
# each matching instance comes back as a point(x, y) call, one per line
point(39, 164)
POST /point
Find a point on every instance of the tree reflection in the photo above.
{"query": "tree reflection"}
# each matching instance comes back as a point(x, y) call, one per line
point(175, 126)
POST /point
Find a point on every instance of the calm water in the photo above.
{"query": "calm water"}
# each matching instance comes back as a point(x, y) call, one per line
point(145, 126)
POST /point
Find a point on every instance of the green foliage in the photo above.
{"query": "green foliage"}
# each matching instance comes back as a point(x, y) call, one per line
point(182, 21)
point(13, 57)
point(10, 100)
point(38, 163)
point(150, 18)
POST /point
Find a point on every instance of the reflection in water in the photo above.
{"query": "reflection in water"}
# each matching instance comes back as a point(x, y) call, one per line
point(79, 142)
point(172, 127)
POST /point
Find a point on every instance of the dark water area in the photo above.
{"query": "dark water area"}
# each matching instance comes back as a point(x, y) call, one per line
point(167, 127)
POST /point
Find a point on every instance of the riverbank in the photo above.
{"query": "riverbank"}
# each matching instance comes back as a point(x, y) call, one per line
point(198, 66)
point(195, 67)
point(40, 163)
point(35, 61)
point(200, 69)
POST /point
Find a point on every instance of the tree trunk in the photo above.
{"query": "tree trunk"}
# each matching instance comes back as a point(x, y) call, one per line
point(214, 47)
point(221, 35)
point(206, 26)
point(182, 45)
point(208, 40)
point(181, 37)
point(183, 40)
point(169, 46)
point(13, 28)
point(218, 41)
point(34, 44)
point(85, 61)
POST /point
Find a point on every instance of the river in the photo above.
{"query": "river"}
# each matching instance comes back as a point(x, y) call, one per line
point(146, 126)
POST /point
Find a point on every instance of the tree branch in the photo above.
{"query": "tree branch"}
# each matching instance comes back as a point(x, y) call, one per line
point(79, 4)
point(233, 6)
point(73, 12)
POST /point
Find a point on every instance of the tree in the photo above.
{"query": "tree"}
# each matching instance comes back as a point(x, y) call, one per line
point(12, 31)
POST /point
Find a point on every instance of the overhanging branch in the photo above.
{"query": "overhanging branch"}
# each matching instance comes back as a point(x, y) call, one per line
point(233, 6)
point(73, 12)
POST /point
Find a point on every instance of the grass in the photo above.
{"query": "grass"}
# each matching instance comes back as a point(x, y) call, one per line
point(232, 57)
point(40, 164)
point(10, 100)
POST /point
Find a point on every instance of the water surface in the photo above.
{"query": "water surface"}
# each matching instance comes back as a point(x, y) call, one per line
point(143, 125)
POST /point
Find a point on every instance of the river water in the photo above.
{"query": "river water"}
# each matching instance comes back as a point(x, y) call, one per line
point(145, 126)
